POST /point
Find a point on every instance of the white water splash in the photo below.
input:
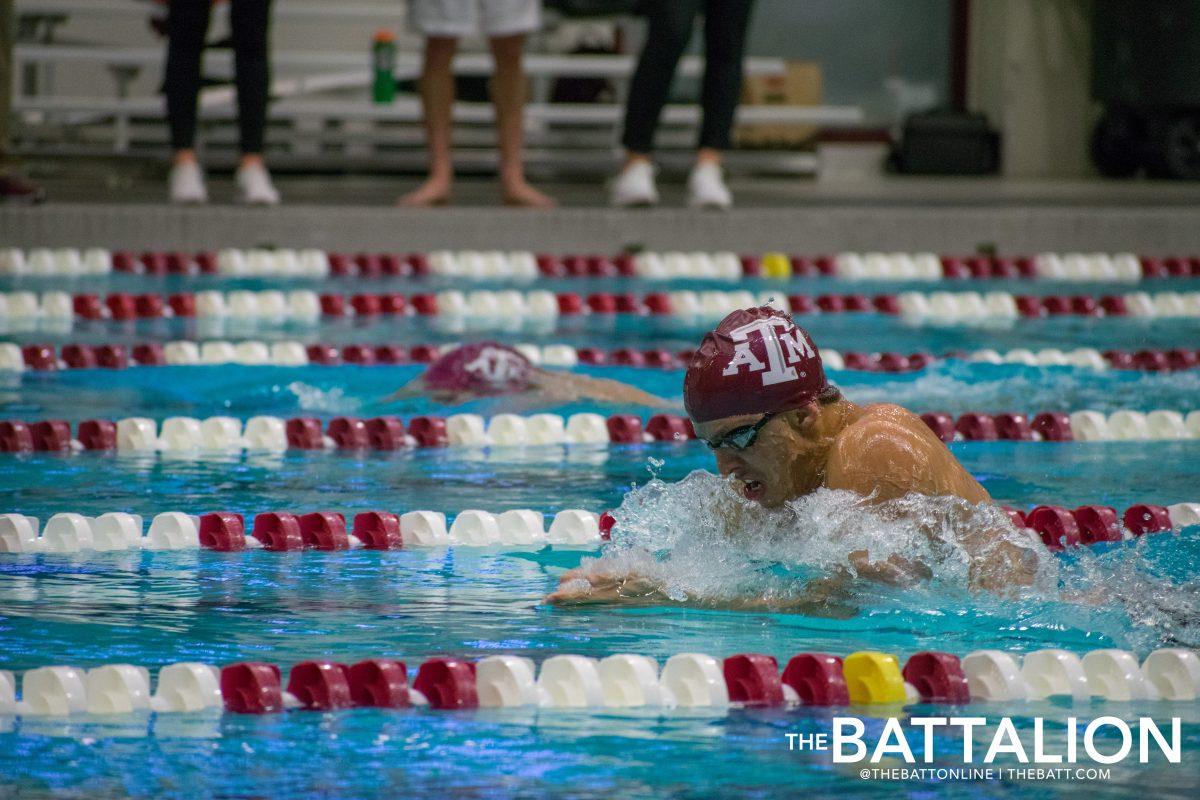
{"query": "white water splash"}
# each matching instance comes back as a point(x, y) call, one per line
point(329, 401)
point(699, 541)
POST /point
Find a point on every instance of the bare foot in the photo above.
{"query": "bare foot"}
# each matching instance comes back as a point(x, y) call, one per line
point(433, 192)
point(522, 195)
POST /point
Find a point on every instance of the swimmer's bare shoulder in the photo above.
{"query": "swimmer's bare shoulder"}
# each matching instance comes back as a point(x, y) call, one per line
point(889, 452)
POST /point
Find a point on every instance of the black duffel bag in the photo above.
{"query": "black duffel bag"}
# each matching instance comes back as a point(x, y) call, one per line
point(947, 143)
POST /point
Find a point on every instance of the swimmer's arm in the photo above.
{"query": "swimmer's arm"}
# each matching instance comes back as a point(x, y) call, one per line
point(581, 587)
point(414, 388)
point(567, 387)
point(884, 461)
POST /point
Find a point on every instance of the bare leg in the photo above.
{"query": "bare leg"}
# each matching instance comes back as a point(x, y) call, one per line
point(437, 100)
point(508, 96)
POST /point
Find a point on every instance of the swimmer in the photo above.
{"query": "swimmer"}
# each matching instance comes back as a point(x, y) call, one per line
point(487, 369)
point(758, 397)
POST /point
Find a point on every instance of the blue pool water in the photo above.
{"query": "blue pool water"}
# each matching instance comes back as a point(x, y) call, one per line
point(157, 608)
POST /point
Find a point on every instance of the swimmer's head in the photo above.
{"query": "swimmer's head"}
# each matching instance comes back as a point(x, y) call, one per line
point(754, 390)
point(483, 368)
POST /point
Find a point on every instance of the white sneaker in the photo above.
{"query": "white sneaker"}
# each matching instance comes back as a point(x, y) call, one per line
point(634, 186)
point(187, 183)
point(707, 189)
point(256, 186)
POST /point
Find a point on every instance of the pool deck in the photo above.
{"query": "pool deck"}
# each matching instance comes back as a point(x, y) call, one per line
point(118, 209)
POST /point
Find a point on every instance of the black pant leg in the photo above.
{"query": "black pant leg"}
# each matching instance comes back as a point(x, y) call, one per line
point(670, 29)
point(250, 22)
point(725, 26)
point(187, 26)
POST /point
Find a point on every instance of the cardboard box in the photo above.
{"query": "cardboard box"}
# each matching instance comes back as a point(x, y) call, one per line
point(798, 85)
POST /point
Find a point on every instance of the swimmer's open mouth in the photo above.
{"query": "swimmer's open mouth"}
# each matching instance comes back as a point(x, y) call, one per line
point(753, 490)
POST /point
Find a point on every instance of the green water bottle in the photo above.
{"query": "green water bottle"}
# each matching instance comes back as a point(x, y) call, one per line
point(383, 58)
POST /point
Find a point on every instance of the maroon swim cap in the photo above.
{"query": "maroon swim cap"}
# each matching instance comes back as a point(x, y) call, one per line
point(483, 368)
point(757, 361)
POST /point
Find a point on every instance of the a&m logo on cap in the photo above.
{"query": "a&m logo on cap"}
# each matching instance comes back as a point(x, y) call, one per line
point(784, 344)
point(495, 365)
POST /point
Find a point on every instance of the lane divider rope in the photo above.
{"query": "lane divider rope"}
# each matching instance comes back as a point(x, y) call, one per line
point(505, 307)
point(284, 531)
point(1057, 527)
point(287, 353)
point(189, 436)
point(650, 265)
point(625, 680)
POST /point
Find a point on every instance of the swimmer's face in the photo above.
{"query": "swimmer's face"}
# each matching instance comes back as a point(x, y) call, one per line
point(781, 463)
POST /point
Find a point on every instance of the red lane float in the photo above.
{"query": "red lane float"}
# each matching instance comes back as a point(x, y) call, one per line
point(429, 431)
point(379, 683)
point(378, 530)
point(938, 677)
point(753, 679)
point(1056, 526)
point(321, 685)
point(447, 683)
point(817, 679)
point(1143, 519)
point(252, 687)
point(223, 532)
point(277, 532)
point(1097, 524)
point(323, 530)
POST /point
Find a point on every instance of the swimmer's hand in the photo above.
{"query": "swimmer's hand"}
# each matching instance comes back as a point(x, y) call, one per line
point(579, 587)
point(896, 571)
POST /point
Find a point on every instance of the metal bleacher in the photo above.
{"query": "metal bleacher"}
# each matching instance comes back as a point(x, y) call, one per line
point(321, 113)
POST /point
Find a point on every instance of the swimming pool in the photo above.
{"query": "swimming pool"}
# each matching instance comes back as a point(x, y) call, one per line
point(156, 608)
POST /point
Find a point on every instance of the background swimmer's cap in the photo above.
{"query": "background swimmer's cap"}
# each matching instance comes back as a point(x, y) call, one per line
point(757, 361)
point(483, 368)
